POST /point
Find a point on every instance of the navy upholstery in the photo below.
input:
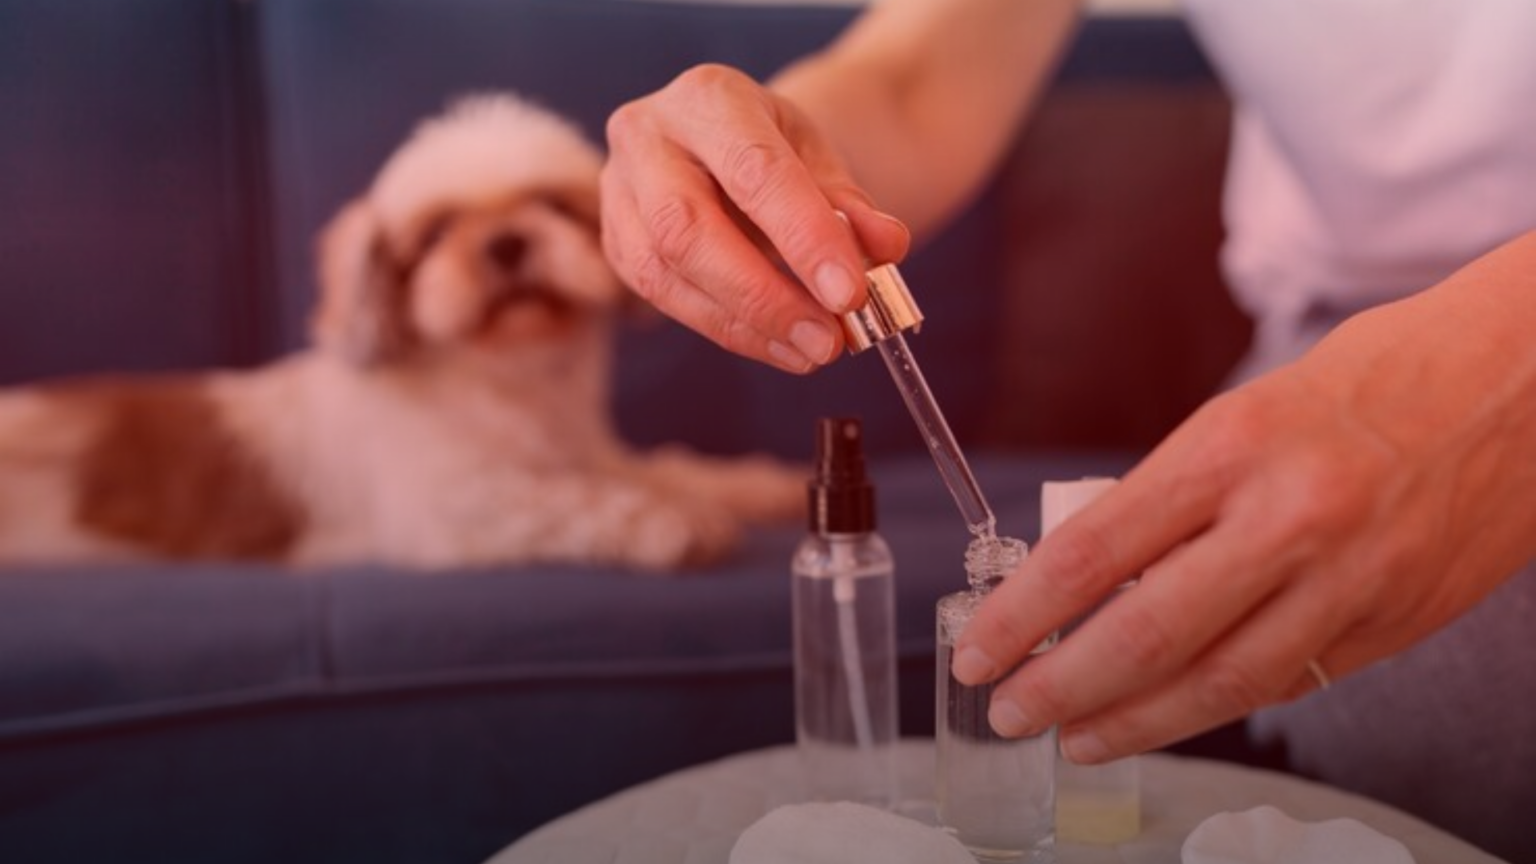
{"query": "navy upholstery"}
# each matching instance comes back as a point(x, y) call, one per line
point(126, 179)
point(164, 166)
point(452, 712)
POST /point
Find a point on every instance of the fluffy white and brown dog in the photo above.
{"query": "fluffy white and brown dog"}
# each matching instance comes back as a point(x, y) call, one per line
point(453, 410)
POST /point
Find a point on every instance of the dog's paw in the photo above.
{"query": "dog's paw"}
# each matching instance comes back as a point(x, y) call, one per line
point(753, 488)
point(669, 536)
point(767, 490)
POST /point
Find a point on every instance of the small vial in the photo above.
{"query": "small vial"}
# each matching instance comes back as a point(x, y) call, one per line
point(844, 631)
point(995, 795)
point(1095, 804)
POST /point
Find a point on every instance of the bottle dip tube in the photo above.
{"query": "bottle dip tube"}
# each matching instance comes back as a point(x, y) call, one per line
point(843, 607)
point(995, 795)
point(1095, 804)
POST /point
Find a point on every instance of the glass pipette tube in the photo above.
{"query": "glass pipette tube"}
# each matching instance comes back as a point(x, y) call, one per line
point(941, 442)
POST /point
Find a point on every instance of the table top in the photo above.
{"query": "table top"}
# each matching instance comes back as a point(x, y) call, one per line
point(694, 816)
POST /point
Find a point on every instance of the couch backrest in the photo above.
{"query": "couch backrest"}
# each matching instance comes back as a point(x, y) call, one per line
point(171, 165)
point(128, 222)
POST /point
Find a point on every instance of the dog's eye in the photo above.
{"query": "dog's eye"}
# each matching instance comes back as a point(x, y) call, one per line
point(506, 251)
point(576, 208)
point(432, 232)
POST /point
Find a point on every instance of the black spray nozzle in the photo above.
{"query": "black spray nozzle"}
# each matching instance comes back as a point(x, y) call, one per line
point(842, 501)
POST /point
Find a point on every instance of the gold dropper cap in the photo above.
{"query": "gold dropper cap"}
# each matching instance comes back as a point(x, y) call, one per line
point(889, 310)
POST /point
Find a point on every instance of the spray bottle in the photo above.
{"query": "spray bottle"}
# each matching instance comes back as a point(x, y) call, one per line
point(845, 630)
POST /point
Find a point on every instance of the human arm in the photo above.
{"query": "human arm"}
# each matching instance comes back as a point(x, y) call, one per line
point(1339, 510)
point(714, 178)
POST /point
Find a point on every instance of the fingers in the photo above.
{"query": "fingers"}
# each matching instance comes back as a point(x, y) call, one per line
point(882, 237)
point(1118, 536)
point(1143, 637)
point(705, 174)
point(777, 171)
point(1262, 662)
point(701, 270)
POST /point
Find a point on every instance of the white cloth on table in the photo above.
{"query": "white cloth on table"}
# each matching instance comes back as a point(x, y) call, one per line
point(697, 815)
point(839, 832)
point(1267, 835)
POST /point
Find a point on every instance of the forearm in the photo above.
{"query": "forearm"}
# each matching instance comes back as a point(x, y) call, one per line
point(923, 97)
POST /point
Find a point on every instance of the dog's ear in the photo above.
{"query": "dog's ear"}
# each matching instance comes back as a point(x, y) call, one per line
point(362, 311)
point(583, 205)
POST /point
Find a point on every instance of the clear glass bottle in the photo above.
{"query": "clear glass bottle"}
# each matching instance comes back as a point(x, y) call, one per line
point(845, 631)
point(1095, 804)
point(995, 794)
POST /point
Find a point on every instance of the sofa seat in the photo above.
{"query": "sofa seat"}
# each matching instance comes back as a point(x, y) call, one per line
point(440, 715)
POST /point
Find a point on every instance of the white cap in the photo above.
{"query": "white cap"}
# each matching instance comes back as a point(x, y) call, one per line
point(1059, 500)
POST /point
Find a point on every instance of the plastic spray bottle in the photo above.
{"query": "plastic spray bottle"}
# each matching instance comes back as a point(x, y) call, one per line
point(844, 630)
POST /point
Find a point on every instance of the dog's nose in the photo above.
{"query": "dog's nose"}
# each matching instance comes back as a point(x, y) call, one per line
point(506, 251)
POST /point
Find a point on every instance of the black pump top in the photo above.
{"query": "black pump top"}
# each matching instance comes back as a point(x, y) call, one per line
point(842, 501)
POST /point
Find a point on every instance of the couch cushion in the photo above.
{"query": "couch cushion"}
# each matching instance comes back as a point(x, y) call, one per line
point(89, 649)
point(412, 701)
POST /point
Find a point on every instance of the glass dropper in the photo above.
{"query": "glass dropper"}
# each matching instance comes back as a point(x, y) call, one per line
point(881, 321)
point(941, 442)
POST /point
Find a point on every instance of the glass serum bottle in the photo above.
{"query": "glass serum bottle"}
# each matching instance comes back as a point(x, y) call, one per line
point(1095, 804)
point(995, 795)
point(843, 607)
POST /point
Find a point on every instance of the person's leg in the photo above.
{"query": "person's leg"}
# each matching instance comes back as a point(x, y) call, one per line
point(1445, 731)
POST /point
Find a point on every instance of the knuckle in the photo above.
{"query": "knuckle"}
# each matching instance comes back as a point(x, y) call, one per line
point(1319, 498)
point(758, 302)
point(738, 335)
point(1039, 695)
point(708, 87)
point(1078, 558)
point(1142, 639)
point(676, 229)
point(752, 171)
point(706, 78)
point(841, 188)
point(1004, 633)
point(1233, 425)
point(1124, 735)
point(623, 124)
point(1229, 688)
point(652, 279)
point(1299, 687)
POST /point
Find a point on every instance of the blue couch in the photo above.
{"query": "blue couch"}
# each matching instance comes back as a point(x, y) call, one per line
point(165, 165)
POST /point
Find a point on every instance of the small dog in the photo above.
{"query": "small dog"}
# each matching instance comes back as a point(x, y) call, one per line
point(453, 411)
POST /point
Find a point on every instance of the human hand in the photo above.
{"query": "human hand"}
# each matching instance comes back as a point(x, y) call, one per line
point(1336, 511)
point(710, 182)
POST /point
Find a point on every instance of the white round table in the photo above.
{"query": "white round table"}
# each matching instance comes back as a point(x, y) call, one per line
point(694, 816)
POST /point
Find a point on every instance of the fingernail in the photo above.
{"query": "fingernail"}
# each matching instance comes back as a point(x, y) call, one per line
point(788, 357)
point(1008, 720)
point(813, 339)
point(835, 285)
point(973, 666)
point(1082, 747)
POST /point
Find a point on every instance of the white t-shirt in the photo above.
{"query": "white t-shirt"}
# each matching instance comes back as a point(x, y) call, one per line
point(1377, 146)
